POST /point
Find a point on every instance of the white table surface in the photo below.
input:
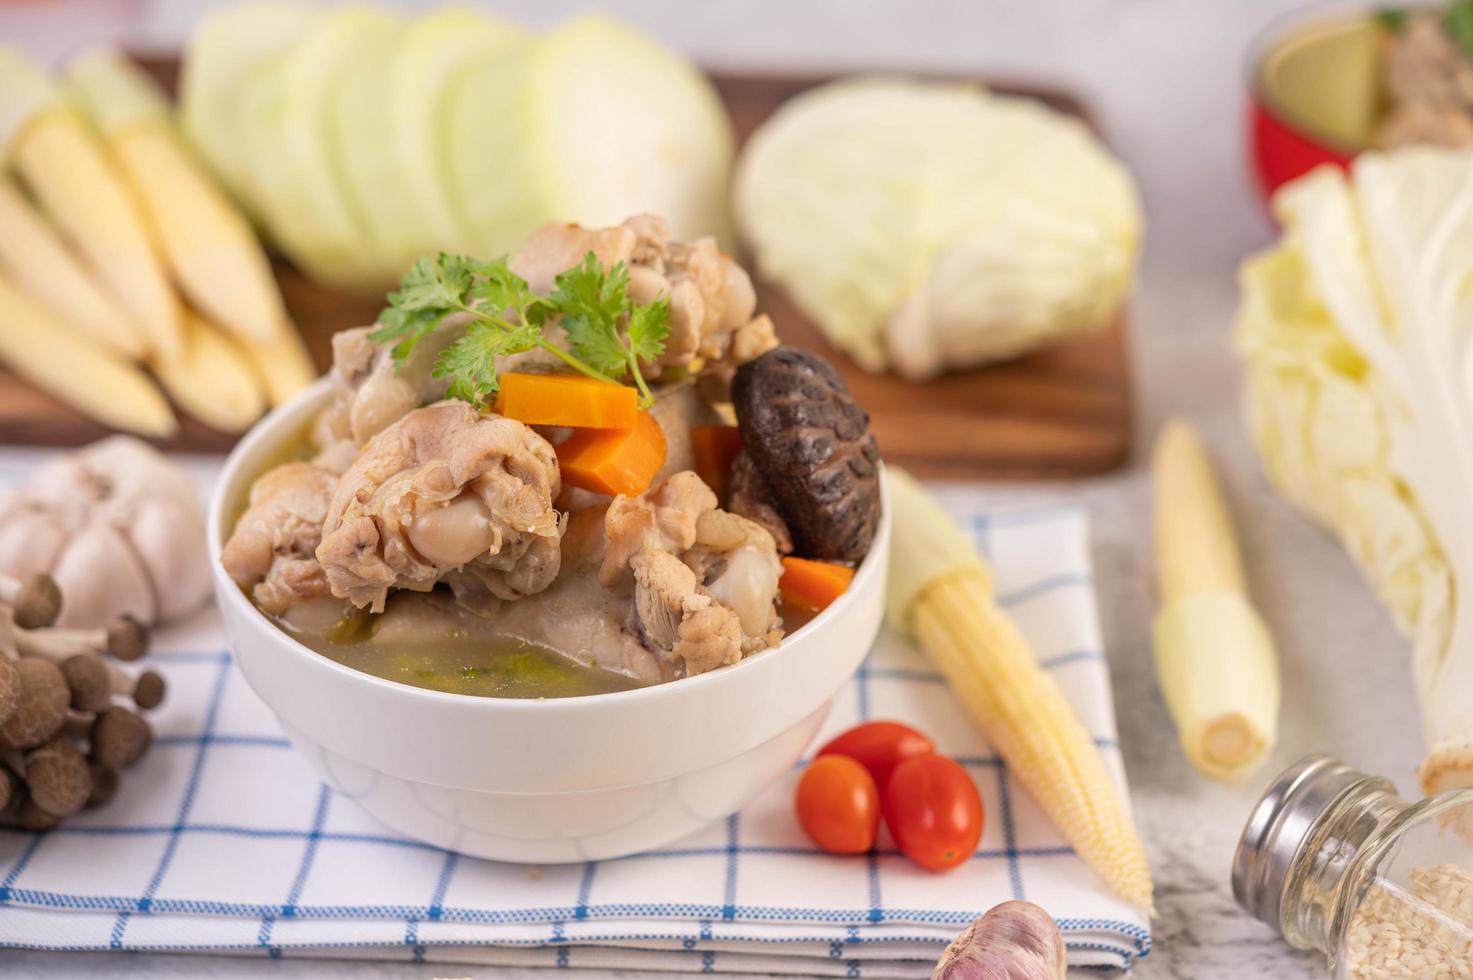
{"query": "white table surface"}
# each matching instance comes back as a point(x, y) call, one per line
point(1167, 79)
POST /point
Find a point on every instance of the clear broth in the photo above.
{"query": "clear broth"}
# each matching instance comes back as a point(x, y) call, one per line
point(478, 666)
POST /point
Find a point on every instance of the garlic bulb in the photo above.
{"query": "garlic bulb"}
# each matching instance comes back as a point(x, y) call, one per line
point(1013, 941)
point(118, 527)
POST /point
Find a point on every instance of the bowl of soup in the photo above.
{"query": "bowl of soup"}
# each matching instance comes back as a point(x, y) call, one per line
point(507, 750)
point(528, 607)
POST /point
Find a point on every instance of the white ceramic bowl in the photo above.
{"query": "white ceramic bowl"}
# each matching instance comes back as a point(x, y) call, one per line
point(564, 779)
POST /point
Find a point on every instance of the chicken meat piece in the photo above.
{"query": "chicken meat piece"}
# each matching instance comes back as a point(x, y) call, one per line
point(705, 581)
point(661, 519)
point(446, 494)
point(711, 297)
point(560, 246)
point(676, 616)
point(272, 549)
point(576, 616)
point(736, 561)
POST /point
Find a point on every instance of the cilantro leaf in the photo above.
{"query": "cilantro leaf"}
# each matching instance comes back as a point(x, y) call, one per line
point(649, 328)
point(470, 362)
point(1394, 19)
point(607, 334)
point(1458, 23)
point(595, 344)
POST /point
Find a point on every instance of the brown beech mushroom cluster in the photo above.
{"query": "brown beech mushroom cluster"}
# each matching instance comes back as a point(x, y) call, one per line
point(69, 712)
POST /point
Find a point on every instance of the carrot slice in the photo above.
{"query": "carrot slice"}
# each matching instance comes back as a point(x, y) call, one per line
point(714, 447)
point(814, 584)
point(614, 461)
point(567, 400)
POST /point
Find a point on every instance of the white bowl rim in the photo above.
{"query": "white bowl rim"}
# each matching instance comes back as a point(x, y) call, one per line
point(265, 434)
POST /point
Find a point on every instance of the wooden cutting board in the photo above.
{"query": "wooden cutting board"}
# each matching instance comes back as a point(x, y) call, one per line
point(1061, 412)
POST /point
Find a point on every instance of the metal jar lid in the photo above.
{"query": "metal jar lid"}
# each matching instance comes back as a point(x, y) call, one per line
point(1279, 826)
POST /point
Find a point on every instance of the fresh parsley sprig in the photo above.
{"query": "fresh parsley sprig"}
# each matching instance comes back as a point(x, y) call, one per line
point(609, 334)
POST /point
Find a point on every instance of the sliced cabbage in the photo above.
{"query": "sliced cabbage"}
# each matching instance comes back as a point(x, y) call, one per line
point(361, 141)
point(437, 50)
point(362, 144)
point(926, 226)
point(298, 171)
point(1357, 330)
point(592, 124)
point(227, 49)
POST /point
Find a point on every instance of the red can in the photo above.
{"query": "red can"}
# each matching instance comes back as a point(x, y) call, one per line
point(1314, 93)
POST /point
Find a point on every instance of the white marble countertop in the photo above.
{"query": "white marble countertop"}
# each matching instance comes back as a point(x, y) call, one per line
point(1167, 78)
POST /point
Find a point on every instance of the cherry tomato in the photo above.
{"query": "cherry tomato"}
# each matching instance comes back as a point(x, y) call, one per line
point(838, 805)
point(933, 811)
point(879, 746)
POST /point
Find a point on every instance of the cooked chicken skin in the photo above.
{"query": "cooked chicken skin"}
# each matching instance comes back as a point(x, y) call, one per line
point(271, 551)
point(444, 494)
point(705, 581)
point(662, 519)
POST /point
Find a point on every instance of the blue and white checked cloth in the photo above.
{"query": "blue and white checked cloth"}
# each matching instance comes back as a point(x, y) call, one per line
point(222, 840)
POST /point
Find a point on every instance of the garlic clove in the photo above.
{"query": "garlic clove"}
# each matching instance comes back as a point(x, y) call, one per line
point(102, 579)
point(1013, 941)
point(176, 556)
point(31, 538)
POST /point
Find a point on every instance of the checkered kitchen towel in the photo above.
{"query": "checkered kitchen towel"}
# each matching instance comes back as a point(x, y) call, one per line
point(222, 840)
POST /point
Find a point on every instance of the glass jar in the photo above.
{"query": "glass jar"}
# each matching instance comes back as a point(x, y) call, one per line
point(1335, 861)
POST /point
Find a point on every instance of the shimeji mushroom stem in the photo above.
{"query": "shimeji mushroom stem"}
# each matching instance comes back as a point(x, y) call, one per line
point(35, 600)
point(127, 639)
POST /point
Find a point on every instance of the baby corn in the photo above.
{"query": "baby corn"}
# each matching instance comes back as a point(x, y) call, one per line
point(75, 370)
point(941, 591)
point(209, 245)
point(1214, 657)
point(38, 262)
point(212, 380)
point(283, 365)
point(76, 183)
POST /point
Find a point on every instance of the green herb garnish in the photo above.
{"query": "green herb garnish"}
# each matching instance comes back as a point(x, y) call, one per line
point(1392, 18)
point(1458, 23)
point(608, 333)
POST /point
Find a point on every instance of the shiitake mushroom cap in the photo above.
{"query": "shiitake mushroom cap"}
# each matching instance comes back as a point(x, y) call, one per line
point(811, 443)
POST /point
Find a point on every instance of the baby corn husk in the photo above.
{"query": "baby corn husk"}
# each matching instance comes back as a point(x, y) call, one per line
point(941, 591)
point(76, 370)
point(1214, 657)
point(78, 186)
point(283, 365)
point(212, 380)
point(209, 245)
point(37, 261)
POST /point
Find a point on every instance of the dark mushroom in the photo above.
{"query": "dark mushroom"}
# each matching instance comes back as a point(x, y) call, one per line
point(58, 777)
point(41, 710)
point(119, 738)
point(35, 599)
point(750, 496)
point(811, 443)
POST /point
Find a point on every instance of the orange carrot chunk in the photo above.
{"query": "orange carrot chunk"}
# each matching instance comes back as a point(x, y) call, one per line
point(614, 461)
point(715, 446)
point(813, 585)
point(567, 400)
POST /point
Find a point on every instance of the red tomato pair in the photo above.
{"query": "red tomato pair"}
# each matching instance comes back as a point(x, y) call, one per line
point(881, 767)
